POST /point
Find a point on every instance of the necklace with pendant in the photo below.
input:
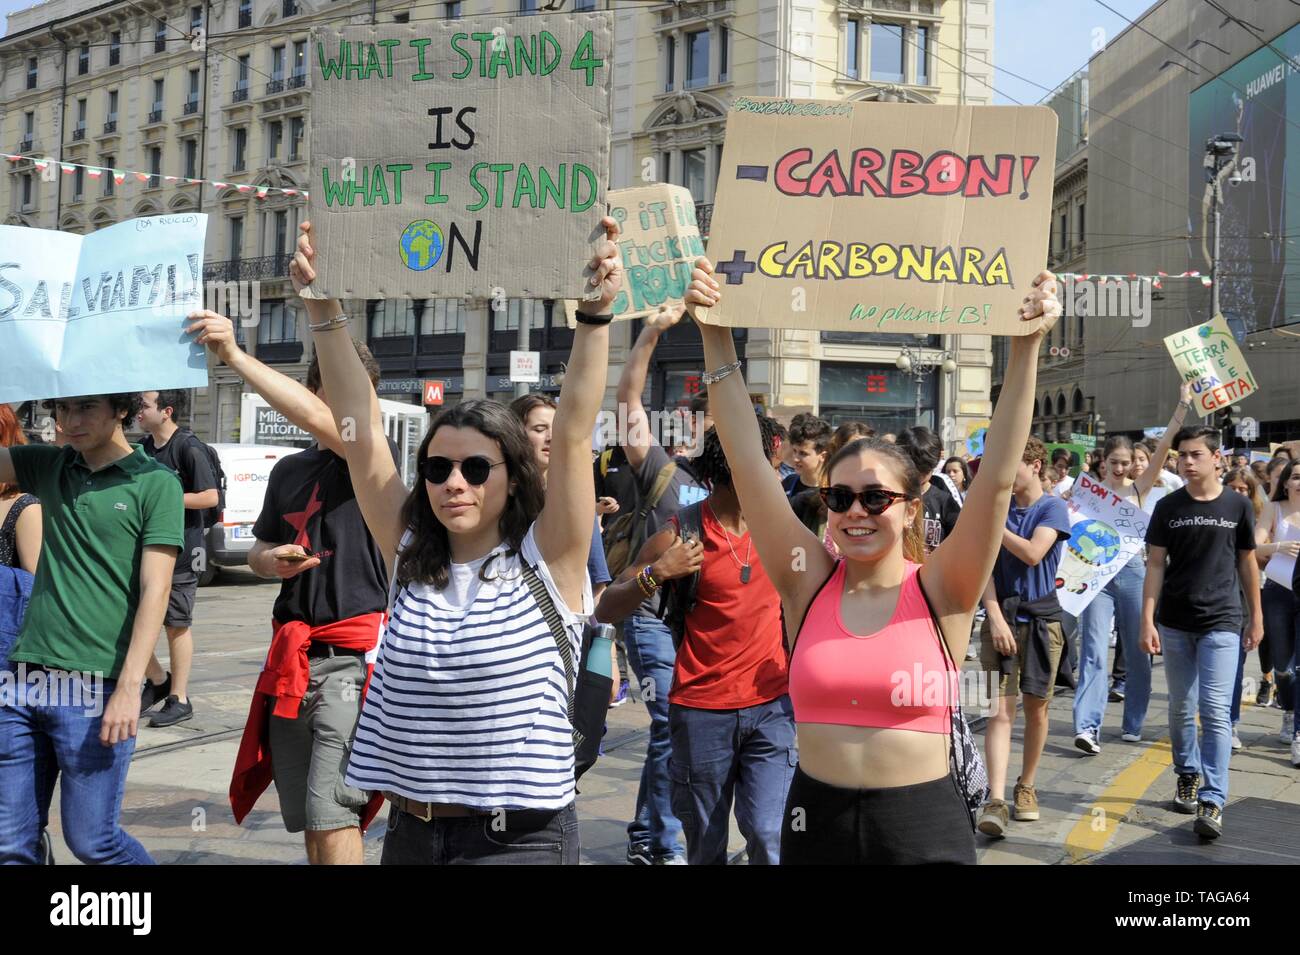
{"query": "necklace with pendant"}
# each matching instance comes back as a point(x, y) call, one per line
point(744, 567)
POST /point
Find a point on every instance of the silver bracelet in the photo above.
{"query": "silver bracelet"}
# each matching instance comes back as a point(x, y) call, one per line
point(337, 322)
point(710, 377)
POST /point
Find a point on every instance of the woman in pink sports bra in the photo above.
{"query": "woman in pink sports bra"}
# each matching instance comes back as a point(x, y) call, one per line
point(870, 681)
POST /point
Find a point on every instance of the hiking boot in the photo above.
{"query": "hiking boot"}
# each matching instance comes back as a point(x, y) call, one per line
point(173, 712)
point(1087, 741)
point(1185, 792)
point(1209, 821)
point(1026, 803)
point(994, 818)
point(151, 693)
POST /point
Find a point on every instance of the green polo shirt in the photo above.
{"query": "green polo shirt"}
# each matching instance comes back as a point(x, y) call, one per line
point(95, 526)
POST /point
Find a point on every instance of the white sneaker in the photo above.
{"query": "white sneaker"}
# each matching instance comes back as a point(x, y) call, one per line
point(1131, 737)
point(1287, 732)
point(1295, 753)
point(1236, 745)
point(1087, 741)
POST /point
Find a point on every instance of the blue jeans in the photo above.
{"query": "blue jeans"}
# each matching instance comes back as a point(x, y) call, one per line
point(41, 739)
point(1282, 627)
point(717, 754)
point(1121, 601)
point(1235, 713)
point(651, 655)
point(1201, 668)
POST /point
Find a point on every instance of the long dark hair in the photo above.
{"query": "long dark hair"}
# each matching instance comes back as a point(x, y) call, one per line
point(427, 557)
point(1279, 490)
point(914, 534)
point(965, 472)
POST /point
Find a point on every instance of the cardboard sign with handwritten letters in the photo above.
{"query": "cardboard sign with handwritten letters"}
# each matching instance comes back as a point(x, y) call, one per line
point(101, 313)
point(659, 239)
point(1207, 356)
point(881, 217)
point(459, 158)
point(1106, 532)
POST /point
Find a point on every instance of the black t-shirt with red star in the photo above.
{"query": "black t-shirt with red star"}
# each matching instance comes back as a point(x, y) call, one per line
point(309, 501)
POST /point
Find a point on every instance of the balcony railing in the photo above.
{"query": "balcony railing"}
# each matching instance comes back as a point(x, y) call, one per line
point(297, 81)
point(234, 270)
point(191, 107)
point(155, 116)
point(24, 145)
point(110, 127)
point(241, 95)
point(275, 86)
point(78, 133)
point(704, 217)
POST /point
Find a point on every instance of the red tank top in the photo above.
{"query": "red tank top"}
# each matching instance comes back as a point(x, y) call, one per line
point(733, 653)
point(896, 678)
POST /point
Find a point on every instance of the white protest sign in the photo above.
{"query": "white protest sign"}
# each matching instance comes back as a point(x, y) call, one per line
point(1106, 532)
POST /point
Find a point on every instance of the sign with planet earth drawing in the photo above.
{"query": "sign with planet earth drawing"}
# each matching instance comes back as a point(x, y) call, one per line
point(1106, 532)
point(463, 158)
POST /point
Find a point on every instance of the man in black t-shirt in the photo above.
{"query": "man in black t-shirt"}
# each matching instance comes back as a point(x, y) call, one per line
point(186, 455)
point(1199, 559)
point(938, 506)
point(333, 595)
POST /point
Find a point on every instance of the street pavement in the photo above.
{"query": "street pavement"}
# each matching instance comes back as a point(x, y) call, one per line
point(176, 800)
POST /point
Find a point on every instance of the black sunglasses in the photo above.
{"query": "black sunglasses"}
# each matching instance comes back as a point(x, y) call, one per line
point(475, 469)
point(876, 500)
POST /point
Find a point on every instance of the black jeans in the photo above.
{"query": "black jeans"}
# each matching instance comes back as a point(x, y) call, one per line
point(922, 824)
point(507, 837)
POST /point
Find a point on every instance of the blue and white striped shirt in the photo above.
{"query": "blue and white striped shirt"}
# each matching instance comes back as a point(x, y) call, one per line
point(468, 702)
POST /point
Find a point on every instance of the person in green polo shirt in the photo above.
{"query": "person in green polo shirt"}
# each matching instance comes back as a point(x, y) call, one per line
point(112, 522)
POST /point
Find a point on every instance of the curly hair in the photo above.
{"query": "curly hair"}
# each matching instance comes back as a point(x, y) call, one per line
point(711, 466)
point(129, 401)
point(427, 557)
point(914, 534)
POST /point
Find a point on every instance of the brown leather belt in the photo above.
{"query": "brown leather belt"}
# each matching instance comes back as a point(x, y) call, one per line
point(424, 811)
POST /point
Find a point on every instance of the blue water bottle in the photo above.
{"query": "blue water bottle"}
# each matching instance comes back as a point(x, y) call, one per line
point(599, 657)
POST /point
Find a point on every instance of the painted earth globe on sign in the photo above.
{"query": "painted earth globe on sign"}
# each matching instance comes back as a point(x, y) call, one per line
point(421, 245)
point(1094, 542)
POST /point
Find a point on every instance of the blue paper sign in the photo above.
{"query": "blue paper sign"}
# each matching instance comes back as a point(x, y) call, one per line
point(101, 313)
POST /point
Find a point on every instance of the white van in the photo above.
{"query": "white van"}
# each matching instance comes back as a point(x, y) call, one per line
point(248, 469)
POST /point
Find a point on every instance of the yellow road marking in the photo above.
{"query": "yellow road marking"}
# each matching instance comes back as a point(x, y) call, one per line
point(1100, 821)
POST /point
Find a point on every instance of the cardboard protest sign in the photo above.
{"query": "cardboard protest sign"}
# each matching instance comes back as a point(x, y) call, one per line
point(459, 158)
point(1208, 357)
point(1106, 532)
point(101, 313)
point(881, 217)
point(976, 433)
point(659, 239)
point(1079, 452)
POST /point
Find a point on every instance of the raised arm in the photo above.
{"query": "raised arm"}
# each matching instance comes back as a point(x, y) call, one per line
point(1147, 481)
point(355, 407)
point(631, 383)
point(1031, 550)
point(955, 574)
point(792, 555)
point(564, 528)
point(281, 392)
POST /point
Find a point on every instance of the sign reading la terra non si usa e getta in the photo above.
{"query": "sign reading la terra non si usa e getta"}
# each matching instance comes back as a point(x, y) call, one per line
point(460, 157)
point(881, 217)
point(1209, 359)
point(101, 313)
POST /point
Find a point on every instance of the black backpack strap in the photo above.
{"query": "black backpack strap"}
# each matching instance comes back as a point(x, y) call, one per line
point(552, 616)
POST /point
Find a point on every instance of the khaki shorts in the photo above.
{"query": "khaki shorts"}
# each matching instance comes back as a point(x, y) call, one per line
point(991, 660)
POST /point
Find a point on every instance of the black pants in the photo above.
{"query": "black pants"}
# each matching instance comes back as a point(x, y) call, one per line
point(516, 837)
point(922, 824)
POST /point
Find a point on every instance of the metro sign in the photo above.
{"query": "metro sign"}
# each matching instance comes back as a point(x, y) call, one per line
point(433, 392)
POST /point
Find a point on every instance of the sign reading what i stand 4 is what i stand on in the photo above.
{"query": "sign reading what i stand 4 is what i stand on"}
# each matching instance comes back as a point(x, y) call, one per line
point(459, 158)
point(881, 217)
point(1209, 359)
point(100, 313)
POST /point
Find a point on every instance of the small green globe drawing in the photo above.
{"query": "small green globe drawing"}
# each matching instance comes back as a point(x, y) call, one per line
point(1094, 542)
point(421, 245)
point(1205, 331)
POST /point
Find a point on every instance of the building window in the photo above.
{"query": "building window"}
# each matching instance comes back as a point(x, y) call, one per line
point(78, 184)
point(191, 158)
point(697, 59)
point(527, 6)
point(507, 320)
point(157, 100)
point(112, 106)
point(83, 59)
point(31, 72)
point(160, 37)
point(852, 47)
point(299, 58)
point(693, 174)
point(1064, 234)
point(196, 19)
point(192, 98)
point(403, 17)
point(27, 189)
point(887, 52)
point(724, 54)
point(155, 168)
point(923, 56)
point(390, 318)
point(241, 148)
point(666, 173)
point(80, 128)
point(29, 125)
point(281, 232)
point(1082, 238)
point(275, 133)
point(108, 163)
point(583, 6)
point(236, 237)
point(289, 8)
point(453, 10)
point(115, 48)
point(443, 316)
point(670, 61)
point(245, 13)
point(278, 324)
point(277, 63)
point(295, 137)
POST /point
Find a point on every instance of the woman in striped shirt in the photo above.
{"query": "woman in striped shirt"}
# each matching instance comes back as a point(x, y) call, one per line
point(465, 727)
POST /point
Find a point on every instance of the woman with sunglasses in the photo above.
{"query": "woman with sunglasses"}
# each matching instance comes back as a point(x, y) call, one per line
point(465, 727)
point(873, 784)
